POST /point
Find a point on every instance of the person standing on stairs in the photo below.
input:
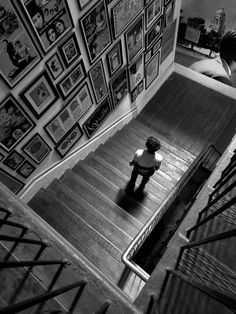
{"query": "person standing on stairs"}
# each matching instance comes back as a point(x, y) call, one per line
point(145, 162)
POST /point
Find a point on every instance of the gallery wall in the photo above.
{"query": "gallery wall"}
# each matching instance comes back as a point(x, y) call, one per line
point(70, 70)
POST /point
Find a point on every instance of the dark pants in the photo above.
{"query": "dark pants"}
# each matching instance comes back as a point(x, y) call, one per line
point(140, 171)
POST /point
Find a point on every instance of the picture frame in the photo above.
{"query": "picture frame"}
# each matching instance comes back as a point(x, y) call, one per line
point(96, 119)
point(71, 80)
point(15, 123)
point(26, 169)
point(98, 81)
point(136, 72)
point(114, 59)
point(137, 90)
point(123, 14)
point(152, 50)
point(152, 69)
point(66, 118)
point(168, 40)
point(37, 148)
point(83, 4)
point(119, 87)
point(69, 140)
point(55, 66)
point(40, 95)
point(54, 21)
point(13, 160)
point(152, 12)
point(19, 55)
point(69, 50)
point(169, 13)
point(96, 30)
point(153, 34)
point(134, 39)
point(12, 183)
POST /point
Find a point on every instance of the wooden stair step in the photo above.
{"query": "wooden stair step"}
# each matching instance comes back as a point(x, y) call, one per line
point(109, 190)
point(84, 238)
point(86, 212)
point(115, 176)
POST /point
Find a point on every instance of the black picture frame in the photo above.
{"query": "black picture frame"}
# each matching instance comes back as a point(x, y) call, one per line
point(13, 160)
point(83, 4)
point(37, 148)
point(154, 33)
point(68, 84)
point(40, 95)
point(55, 66)
point(96, 34)
point(55, 22)
point(119, 87)
point(114, 59)
point(136, 71)
point(69, 140)
point(11, 182)
point(69, 50)
point(15, 124)
point(152, 69)
point(153, 11)
point(98, 81)
point(26, 169)
point(168, 13)
point(96, 119)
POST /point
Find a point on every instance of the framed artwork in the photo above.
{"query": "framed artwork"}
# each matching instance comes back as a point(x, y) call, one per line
point(119, 87)
point(1, 157)
point(153, 49)
point(40, 95)
point(58, 126)
point(169, 13)
point(55, 66)
point(10, 182)
point(97, 117)
point(114, 58)
point(136, 72)
point(152, 12)
point(49, 20)
point(83, 3)
point(69, 50)
point(72, 79)
point(168, 40)
point(137, 90)
point(36, 148)
point(98, 81)
point(153, 33)
point(15, 124)
point(13, 160)
point(152, 69)
point(95, 30)
point(123, 13)
point(134, 39)
point(69, 140)
point(18, 52)
point(26, 169)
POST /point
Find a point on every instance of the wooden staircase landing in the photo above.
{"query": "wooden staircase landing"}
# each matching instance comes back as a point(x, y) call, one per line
point(88, 205)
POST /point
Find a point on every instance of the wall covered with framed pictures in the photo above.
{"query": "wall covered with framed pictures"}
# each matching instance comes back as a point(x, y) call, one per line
point(70, 68)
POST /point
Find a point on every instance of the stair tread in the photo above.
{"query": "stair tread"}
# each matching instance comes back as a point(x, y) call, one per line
point(84, 238)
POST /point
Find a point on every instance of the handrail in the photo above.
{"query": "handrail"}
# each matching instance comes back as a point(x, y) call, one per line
point(152, 222)
point(12, 309)
point(212, 215)
point(226, 171)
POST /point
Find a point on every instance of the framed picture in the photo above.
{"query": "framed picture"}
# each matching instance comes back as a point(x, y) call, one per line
point(168, 40)
point(169, 13)
point(152, 69)
point(119, 87)
point(72, 79)
point(10, 182)
point(58, 126)
point(69, 140)
point(95, 30)
point(136, 72)
point(123, 13)
point(98, 81)
point(1, 157)
point(134, 39)
point(153, 33)
point(36, 148)
point(97, 117)
point(49, 20)
point(83, 3)
point(137, 90)
point(152, 50)
point(114, 58)
point(13, 160)
point(69, 50)
point(40, 95)
point(26, 169)
point(14, 123)
point(18, 52)
point(55, 66)
point(152, 12)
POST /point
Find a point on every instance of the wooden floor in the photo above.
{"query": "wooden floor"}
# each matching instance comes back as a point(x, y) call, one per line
point(88, 205)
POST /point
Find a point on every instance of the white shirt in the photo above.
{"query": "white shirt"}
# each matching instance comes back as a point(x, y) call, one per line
point(147, 160)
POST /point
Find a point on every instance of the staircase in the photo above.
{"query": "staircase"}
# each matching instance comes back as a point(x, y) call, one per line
point(89, 206)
